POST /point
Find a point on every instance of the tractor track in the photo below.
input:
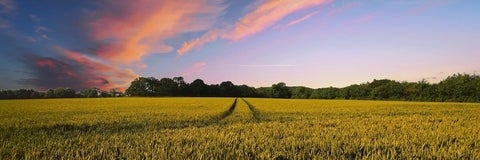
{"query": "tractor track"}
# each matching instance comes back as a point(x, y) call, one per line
point(227, 112)
point(255, 112)
point(116, 127)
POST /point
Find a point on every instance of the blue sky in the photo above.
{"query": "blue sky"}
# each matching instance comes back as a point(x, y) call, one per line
point(314, 43)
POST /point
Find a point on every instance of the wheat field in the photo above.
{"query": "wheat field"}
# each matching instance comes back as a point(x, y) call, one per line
point(229, 128)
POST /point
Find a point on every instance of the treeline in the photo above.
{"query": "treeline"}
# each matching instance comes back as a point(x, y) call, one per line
point(455, 88)
point(58, 93)
point(152, 87)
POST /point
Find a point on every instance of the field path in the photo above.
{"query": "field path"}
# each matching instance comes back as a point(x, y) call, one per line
point(244, 112)
point(227, 112)
point(255, 112)
point(121, 126)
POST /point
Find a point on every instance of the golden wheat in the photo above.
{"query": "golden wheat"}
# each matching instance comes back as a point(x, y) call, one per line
point(224, 128)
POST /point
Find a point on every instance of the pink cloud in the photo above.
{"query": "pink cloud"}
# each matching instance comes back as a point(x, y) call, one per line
point(124, 33)
point(266, 15)
point(51, 73)
point(263, 16)
point(199, 42)
point(129, 31)
point(96, 73)
point(141, 65)
point(45, 63)
point(308, 16)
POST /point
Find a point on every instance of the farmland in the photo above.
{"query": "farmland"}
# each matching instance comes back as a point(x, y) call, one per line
point(229, 128)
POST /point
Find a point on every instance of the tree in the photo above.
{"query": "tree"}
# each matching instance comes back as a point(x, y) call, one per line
point(114, 93)
point(280, 90)
point(326, 93)
point(182, 87)
point(228, 89)
point(167, 87)
point(301, 92)
point(460, 87)
point(376, 83)
point(246, 91)
point(64, 93)
point(103, 93)
point(49, 94)
point(143, 87)
point(356, 91)
point(89, 93)
point(388, 90)
point(264, 92)
point(198, 88)
point(7, 94)
point(213, 90)
point(26, 94)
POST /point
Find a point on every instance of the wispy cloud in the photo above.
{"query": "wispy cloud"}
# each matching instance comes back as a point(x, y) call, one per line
point(266, 15)
point(121, 34)
point(266, 65)
point(7, 6)
point(263, 16)
point(127, 31)
point(42, 31)
point(208, 37)
point(75, 70)
point(97, 73)
point(34, 17)
point(47, 72)
point(29, 39)
point(308, 16)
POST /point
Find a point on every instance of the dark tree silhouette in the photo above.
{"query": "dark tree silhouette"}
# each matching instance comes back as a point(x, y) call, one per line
point(455, 88)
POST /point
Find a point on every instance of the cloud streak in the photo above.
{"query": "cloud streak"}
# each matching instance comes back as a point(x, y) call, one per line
point(119, 34)
point(263, 16)
point(75, 70)
point(47, 72)
point(126, 31)
point(199, 42)
point(266, 65)
point(304, 18)
point(7, 6)
point(266, 15)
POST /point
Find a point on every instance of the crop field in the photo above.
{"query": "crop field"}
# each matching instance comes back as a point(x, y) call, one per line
point(229, 128)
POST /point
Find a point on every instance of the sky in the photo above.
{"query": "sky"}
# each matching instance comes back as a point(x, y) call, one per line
point(314, 43)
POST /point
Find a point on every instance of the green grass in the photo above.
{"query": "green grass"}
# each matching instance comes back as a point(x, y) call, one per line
point(218, 128)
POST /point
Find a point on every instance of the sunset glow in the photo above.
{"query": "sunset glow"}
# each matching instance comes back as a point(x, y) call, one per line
point(313, 43)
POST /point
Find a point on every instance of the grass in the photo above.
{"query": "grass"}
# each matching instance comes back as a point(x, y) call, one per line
point(228, 128)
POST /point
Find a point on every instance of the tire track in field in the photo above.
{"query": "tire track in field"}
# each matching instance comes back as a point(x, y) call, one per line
point(227, 112)
point(256, 113)
point(115, 127)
